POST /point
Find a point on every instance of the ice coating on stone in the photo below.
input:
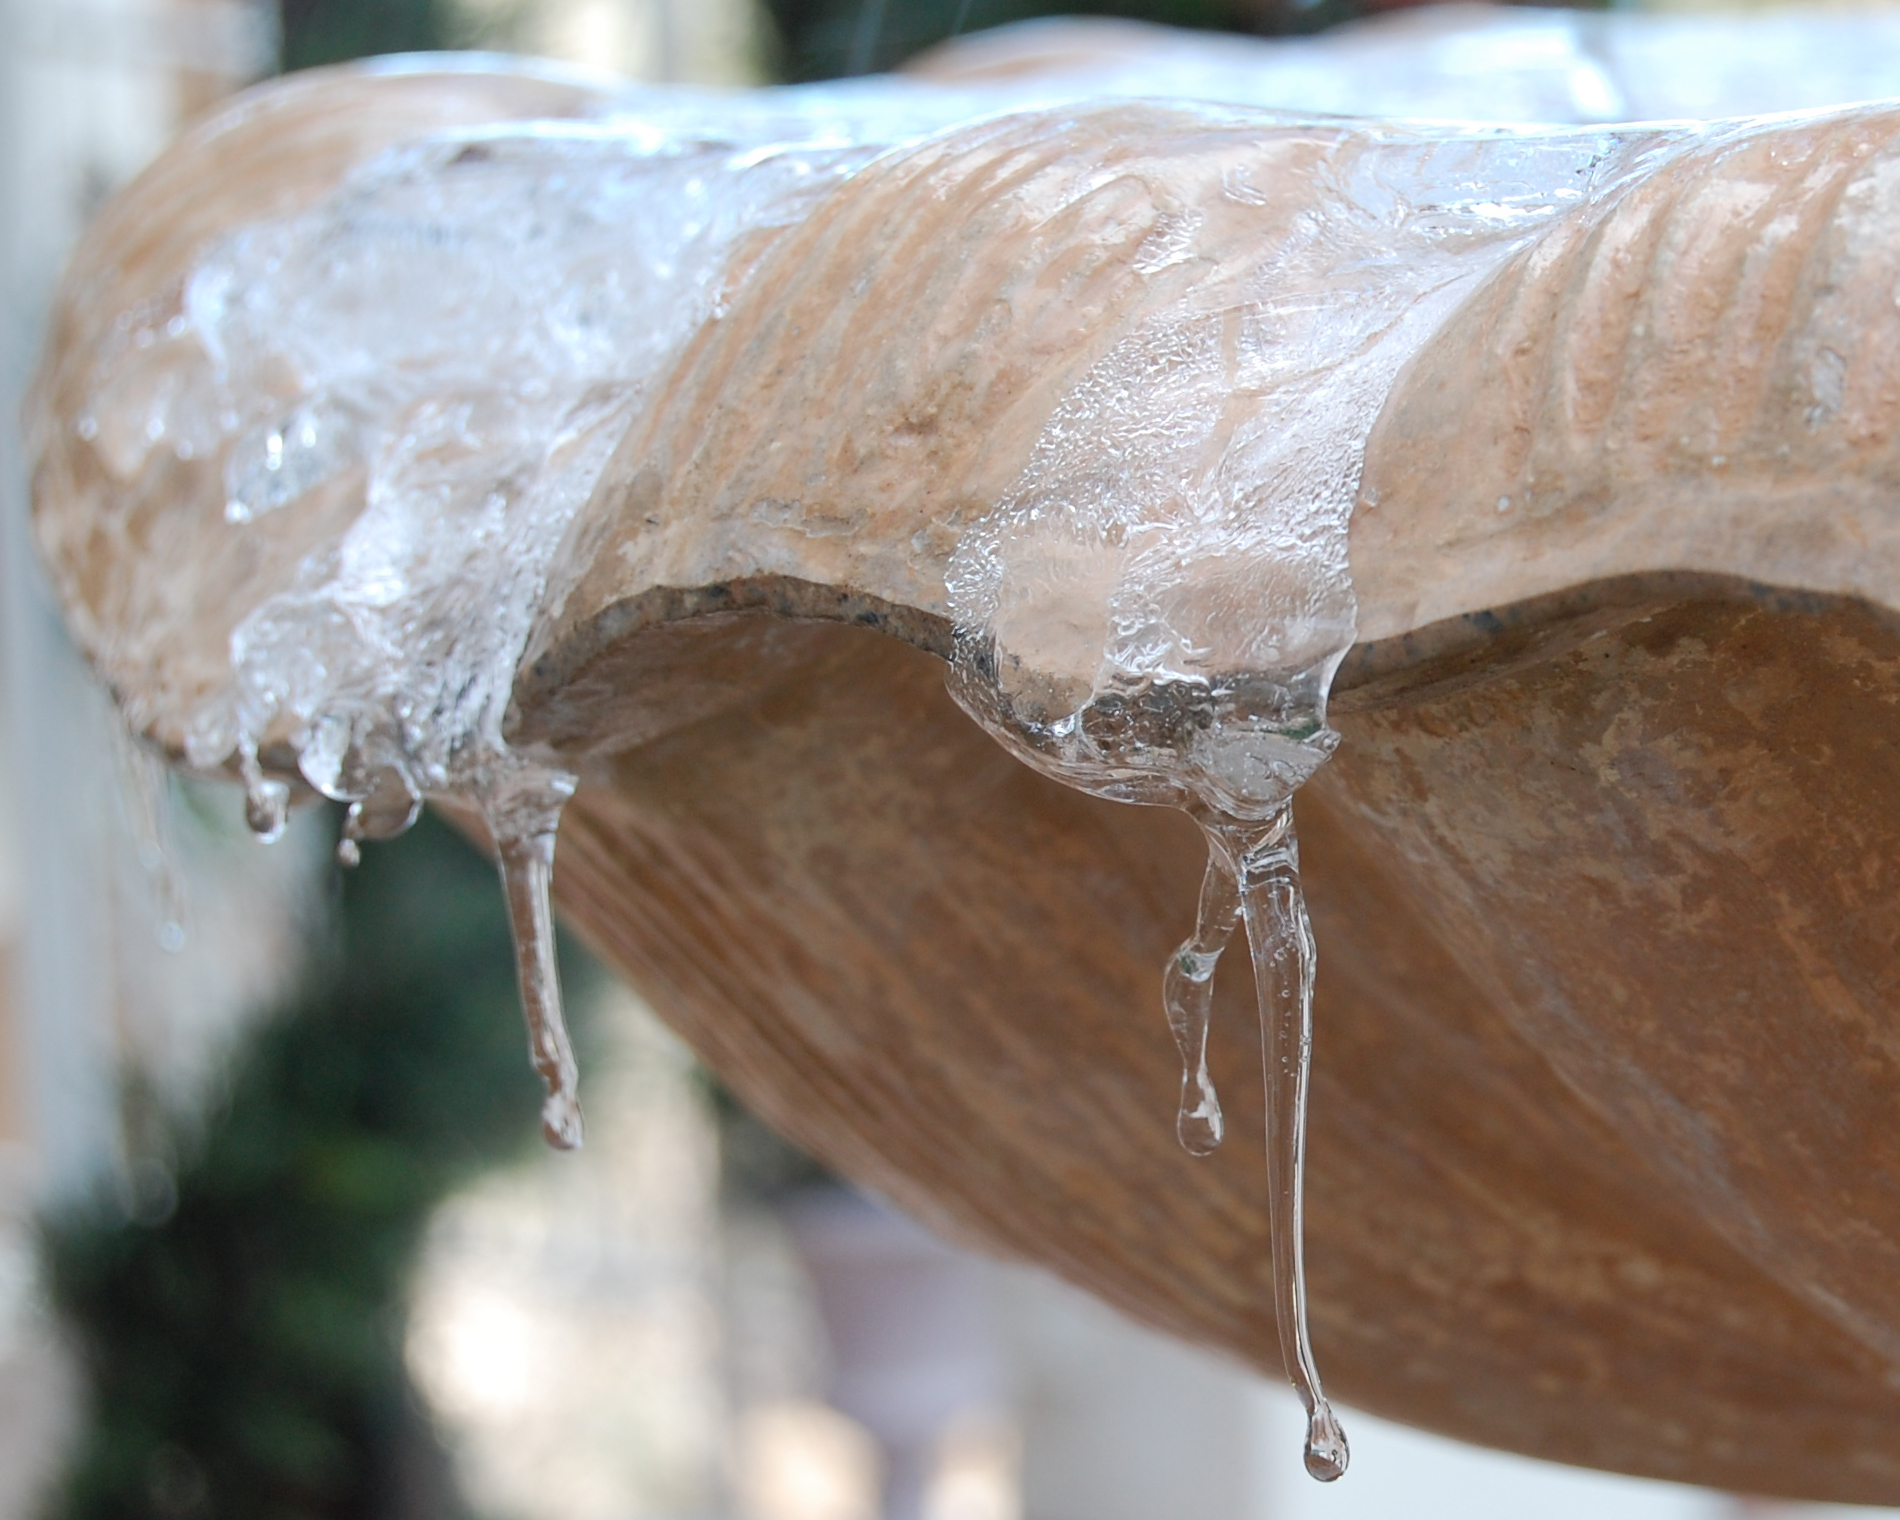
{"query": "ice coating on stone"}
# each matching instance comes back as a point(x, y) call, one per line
point(439, 358)
point(1481, 63)
point(442, 354)
point(465, 327)
point(1155, 609)
point(448, 348)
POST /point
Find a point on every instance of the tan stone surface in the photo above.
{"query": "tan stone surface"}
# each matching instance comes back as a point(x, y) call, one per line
point(1703, 377)
point(941, 973)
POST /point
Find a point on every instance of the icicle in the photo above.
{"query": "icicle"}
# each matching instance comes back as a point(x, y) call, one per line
point(349, 845)
point(1187, 992)
point(266, 801)
point(1264, 858)
point(524, 821)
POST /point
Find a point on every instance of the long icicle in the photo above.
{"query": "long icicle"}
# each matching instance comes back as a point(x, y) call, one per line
point(524, 830)
point(1266, 862)
point(1187, 993)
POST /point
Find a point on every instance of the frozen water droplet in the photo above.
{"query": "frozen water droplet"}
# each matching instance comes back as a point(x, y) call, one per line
point(210, 737)
point(382, 805)
point(321, 756)
point(1327, 1452)
point(267, 810)
point(266, 799)
point(524, 822)
point(349, 848)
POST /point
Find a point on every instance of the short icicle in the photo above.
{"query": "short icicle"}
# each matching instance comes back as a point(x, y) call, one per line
point(1187, 992)
point(1265, 861)
point(266, 799)
point(523, 823)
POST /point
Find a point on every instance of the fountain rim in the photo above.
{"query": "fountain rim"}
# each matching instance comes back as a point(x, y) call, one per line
point(1394, 671)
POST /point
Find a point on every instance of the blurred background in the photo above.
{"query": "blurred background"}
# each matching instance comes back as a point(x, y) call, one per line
point(276, 1234)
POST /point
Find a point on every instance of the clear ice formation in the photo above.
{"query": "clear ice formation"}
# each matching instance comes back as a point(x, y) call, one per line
point(1474, 62)
point(1187, 993)
point(425, 373)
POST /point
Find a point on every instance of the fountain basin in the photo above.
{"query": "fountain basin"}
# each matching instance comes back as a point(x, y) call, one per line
point(1600, 870)
point(1599, 1106)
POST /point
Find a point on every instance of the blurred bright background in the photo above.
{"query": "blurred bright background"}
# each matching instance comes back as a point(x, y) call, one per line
point(276, 1237)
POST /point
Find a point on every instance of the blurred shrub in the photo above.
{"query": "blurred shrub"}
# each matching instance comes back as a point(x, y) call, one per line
point(817, 39)
point(822, 39)
point(333, 31)
point(242, 1322)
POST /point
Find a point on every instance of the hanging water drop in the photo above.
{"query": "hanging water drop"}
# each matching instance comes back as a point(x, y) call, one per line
point(523, 822)
point(1327, 1452)
point(349, 845)
point(266, 800)
point(1265, 861)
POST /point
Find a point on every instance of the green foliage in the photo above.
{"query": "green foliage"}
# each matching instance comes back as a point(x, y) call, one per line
point(334, 31)
point(822, 39)
point(756, 1163)
point(245, 1346)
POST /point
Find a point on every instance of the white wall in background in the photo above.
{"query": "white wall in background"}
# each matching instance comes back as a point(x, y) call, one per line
point(90, 90)
point(1118, 1422)
point(1092, 1417)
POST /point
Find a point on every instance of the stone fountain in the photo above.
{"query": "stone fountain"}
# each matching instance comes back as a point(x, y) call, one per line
point(1523, 496)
